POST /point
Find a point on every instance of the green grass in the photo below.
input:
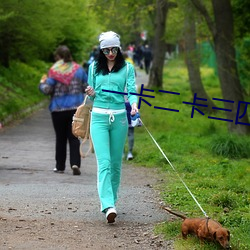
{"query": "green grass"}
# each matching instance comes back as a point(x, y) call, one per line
point(213, 164)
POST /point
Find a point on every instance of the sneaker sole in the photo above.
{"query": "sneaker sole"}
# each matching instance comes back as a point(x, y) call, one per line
point(111, 217)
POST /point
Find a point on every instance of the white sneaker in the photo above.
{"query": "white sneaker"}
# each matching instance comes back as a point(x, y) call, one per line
point(130, 156)
point(111, 214)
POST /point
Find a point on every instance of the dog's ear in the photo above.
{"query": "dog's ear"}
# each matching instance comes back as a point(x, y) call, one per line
point(214, 235)
point(228, 237)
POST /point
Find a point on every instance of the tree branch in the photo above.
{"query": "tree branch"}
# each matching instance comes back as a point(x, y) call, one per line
point(202, 9)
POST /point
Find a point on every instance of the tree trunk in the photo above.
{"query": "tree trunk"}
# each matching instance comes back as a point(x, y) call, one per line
point(193, 62)
point(227, 67)
point(223, 38)
point(159, 46)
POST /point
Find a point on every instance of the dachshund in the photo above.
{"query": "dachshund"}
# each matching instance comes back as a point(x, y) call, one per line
point(204, 229)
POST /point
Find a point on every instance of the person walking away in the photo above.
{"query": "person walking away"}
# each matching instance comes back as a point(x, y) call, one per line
point(66, 83)
point(108, 76)
point(147, 54)
point(139, 56)
point(93, 55)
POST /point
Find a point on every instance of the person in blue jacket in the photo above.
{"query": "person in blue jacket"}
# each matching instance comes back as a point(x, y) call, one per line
point(65, 83)
point(108, 76)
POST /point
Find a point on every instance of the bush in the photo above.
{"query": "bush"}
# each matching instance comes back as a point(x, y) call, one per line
point(230, 146)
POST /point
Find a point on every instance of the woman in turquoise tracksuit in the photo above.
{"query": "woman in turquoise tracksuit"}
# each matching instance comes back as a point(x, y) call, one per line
point(108, 75)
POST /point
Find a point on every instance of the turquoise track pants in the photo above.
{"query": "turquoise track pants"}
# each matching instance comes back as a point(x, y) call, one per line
point(108, 136)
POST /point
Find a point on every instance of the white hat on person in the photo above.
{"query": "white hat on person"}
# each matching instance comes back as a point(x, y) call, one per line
point(109, 39)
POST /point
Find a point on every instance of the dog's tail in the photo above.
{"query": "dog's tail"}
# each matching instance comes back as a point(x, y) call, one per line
point(175, 213)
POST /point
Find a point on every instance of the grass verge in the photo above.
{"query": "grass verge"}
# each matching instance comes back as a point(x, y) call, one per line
point(213, 164)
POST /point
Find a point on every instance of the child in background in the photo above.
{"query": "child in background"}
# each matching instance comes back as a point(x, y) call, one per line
point(130, 133)
point(128, 108)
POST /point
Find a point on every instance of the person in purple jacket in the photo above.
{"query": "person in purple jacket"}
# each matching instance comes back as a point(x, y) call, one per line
point(65, 83)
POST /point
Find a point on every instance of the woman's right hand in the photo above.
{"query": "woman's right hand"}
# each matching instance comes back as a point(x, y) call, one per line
point(90, 91)
point(134, 109)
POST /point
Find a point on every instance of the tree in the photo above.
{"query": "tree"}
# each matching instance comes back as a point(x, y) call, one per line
point(159, 44)
point(193, 59)
point(223, 38)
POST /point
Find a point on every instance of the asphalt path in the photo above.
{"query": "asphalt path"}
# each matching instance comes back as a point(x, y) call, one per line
point(26, 164)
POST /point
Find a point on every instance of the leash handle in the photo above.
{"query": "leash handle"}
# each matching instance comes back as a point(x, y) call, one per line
point(174, 169)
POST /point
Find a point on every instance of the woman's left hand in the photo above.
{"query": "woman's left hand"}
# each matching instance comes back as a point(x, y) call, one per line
point(90, 91)
point(134, 109)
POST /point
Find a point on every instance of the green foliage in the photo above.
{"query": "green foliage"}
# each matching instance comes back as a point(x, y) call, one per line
point(241, 17)
point(224, 200)
point(29, 34)
point(175, 28)
point(230, 146)
point(242, 37)
point(128, 18)
point(210, 129)
point(19, 87)
point(243, 59)
point(175, 25)
point(170, 230)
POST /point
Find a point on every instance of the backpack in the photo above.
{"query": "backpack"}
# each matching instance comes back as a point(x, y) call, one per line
point(81, 125)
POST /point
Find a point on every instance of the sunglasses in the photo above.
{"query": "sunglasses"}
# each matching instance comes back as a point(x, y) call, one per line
point(106, 51)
